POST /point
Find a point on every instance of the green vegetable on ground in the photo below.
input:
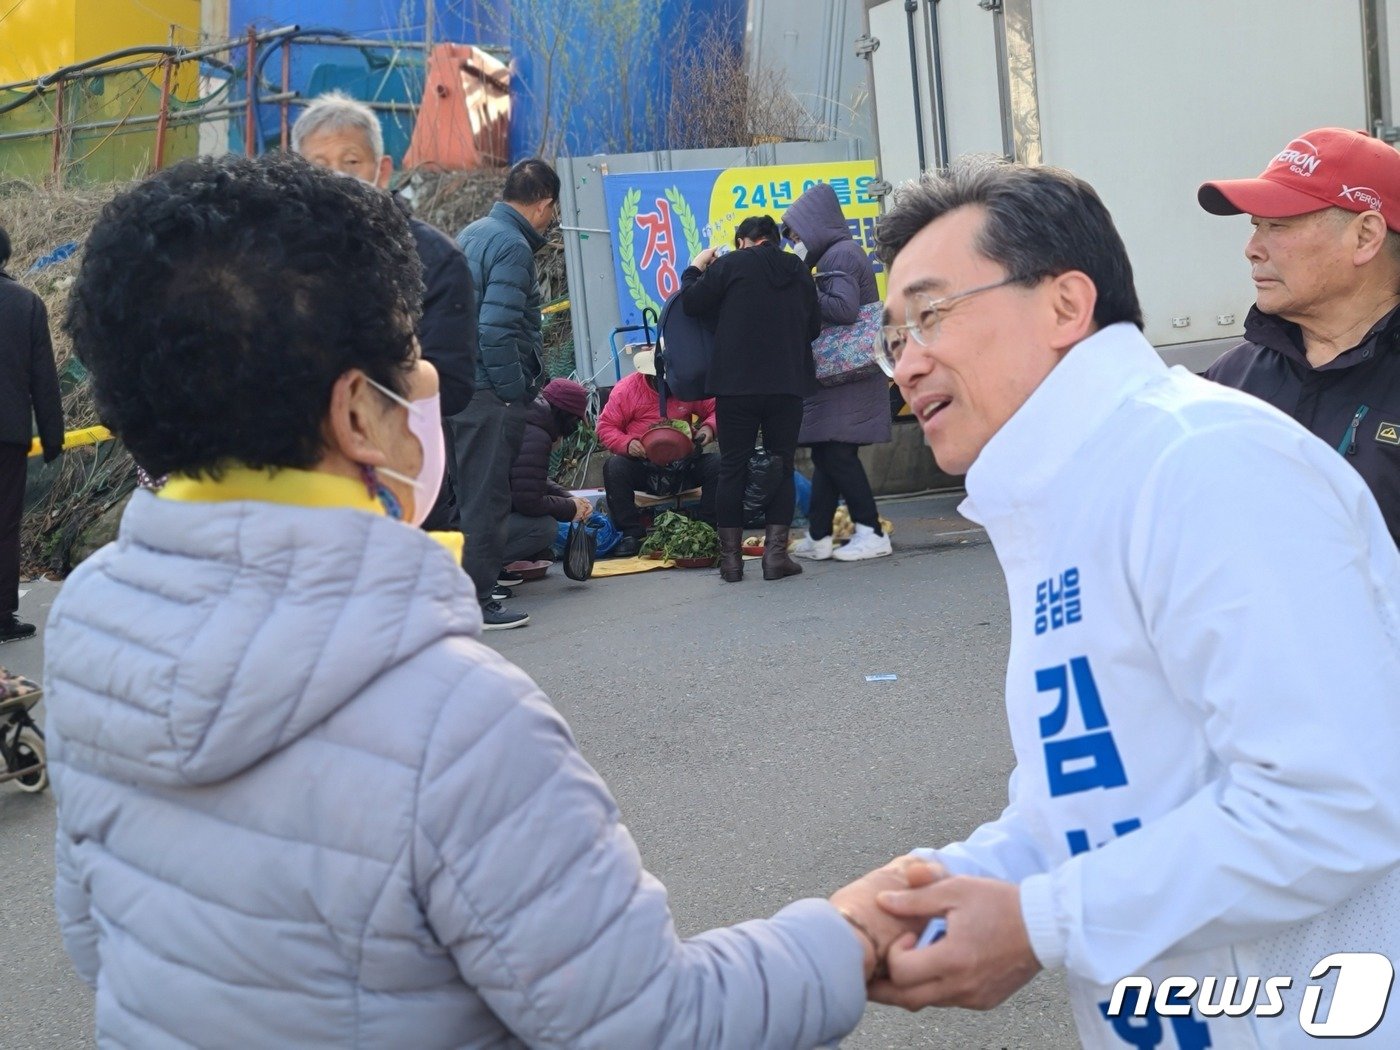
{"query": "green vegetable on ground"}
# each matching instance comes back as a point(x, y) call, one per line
point(676, 536)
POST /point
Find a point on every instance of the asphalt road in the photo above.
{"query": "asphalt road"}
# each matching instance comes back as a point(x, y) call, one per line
point(752, 760)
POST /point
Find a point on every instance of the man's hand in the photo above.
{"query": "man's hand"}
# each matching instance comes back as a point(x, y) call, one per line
point(872, 922)
point(583, 508)
point(636, 450)
point(51, 454)
point(704, 435)
point(703, 259)
point(983, 958)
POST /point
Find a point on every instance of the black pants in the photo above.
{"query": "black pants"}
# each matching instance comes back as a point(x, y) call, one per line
point(484, 439)
point(837, 473)
point(740, 417)
point(624, 477)
point(14, 469)
point(527, 537)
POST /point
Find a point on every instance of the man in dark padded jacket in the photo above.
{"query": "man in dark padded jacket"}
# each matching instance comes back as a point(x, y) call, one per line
point(28, 391)
point(500, 248)
point(1322, 342)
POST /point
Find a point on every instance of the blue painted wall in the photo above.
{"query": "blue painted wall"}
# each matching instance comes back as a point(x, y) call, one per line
point(601, 106)
point(578, 88)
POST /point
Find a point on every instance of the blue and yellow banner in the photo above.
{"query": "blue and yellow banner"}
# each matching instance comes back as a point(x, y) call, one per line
point(663, 219)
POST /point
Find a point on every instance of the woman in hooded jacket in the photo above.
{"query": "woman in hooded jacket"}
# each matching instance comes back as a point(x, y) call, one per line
point(837, 420)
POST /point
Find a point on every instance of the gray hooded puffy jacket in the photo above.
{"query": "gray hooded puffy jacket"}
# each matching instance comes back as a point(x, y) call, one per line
point(300, 805)
point(859, 412)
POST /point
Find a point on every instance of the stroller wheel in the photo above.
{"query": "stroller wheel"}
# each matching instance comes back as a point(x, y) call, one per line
point(29, 751)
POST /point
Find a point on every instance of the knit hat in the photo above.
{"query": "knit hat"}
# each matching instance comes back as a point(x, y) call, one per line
point(1325, 168)
point(567, 396)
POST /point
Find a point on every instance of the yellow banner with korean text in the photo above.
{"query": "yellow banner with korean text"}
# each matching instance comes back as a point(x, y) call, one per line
point(741, 192)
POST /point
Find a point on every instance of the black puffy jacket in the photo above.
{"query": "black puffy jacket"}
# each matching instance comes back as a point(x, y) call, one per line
point(447, 332)
point(1352, 402)
point(763, 304)
point(531, 491)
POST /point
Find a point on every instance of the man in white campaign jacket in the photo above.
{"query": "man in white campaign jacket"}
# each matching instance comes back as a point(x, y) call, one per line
point(1204, 679)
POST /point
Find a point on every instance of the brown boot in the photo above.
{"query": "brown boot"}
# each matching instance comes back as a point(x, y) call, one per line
point(776, 562)
point(731, 557)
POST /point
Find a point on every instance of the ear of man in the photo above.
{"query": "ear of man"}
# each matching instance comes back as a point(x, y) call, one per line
point(1070, 299)
point(1367, 233)
point(384, 172)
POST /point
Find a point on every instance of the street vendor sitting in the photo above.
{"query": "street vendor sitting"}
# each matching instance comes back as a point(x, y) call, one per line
point(632, 409)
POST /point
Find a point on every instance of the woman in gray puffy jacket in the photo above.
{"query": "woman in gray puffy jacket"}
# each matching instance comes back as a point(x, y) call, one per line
point(837, 420)
point(299, 803)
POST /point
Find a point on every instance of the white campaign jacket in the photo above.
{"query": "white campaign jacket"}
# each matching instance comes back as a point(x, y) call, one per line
point(1203, 691)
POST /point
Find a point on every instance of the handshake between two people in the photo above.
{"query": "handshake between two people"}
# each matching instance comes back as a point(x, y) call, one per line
point(980, 960)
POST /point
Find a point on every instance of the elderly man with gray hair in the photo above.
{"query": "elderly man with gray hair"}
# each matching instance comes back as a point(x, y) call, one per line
point(343, 134)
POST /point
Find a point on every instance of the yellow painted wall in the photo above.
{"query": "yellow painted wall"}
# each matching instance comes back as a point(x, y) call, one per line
point(39, 36)
point(36, 38)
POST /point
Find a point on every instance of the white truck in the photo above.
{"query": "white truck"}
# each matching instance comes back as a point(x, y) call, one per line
point(1145, 99)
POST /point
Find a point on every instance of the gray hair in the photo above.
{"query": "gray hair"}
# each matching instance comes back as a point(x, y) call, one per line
point(1041, 222)
point(337, 111)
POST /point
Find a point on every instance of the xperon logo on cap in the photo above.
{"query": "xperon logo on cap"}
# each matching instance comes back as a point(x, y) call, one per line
point(1300, 161)
point(1362, 195)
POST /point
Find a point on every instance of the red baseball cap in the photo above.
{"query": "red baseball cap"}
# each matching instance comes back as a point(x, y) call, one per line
point(1326, 168)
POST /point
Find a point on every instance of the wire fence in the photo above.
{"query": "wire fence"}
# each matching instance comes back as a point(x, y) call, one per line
point(127, 113)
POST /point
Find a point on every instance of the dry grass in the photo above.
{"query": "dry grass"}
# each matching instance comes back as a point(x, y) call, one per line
point(717, 102)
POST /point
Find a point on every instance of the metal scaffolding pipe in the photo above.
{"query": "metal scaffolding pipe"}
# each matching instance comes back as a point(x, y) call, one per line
point(90, 66)
point(176, 117)
point(163, 117)
point(251, 117)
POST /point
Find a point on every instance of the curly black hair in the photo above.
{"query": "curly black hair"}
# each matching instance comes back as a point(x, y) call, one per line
point(219, 301)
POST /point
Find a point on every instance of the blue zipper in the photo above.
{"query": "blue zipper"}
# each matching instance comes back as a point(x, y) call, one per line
point(1348, 445)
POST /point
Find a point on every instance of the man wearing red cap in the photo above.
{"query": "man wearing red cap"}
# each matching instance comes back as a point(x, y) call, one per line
point(1322, 342)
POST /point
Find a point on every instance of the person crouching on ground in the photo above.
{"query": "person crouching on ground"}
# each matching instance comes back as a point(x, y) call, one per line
point(300, 804)
point(632, 409)
point(537, 503)
point(837, 420)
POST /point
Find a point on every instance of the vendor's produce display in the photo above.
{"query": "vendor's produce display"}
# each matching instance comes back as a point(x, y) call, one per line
point(682, 540)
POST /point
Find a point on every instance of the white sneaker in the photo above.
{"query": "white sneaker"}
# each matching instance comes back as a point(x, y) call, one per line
point(864, 544)
point(812, 550)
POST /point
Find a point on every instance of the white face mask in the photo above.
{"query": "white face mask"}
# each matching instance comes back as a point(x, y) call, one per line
point(424, 423)
point(800, 250)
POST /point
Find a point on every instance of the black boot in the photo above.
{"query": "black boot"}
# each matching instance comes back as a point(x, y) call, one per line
point(776, 562)
point(731, 557)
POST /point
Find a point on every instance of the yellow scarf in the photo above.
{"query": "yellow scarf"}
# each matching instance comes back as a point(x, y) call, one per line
point(296, 488)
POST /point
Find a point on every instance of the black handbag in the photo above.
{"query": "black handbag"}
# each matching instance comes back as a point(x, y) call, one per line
point(580, 550)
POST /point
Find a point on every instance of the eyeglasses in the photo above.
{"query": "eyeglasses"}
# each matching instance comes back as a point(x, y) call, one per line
point(922, 317)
